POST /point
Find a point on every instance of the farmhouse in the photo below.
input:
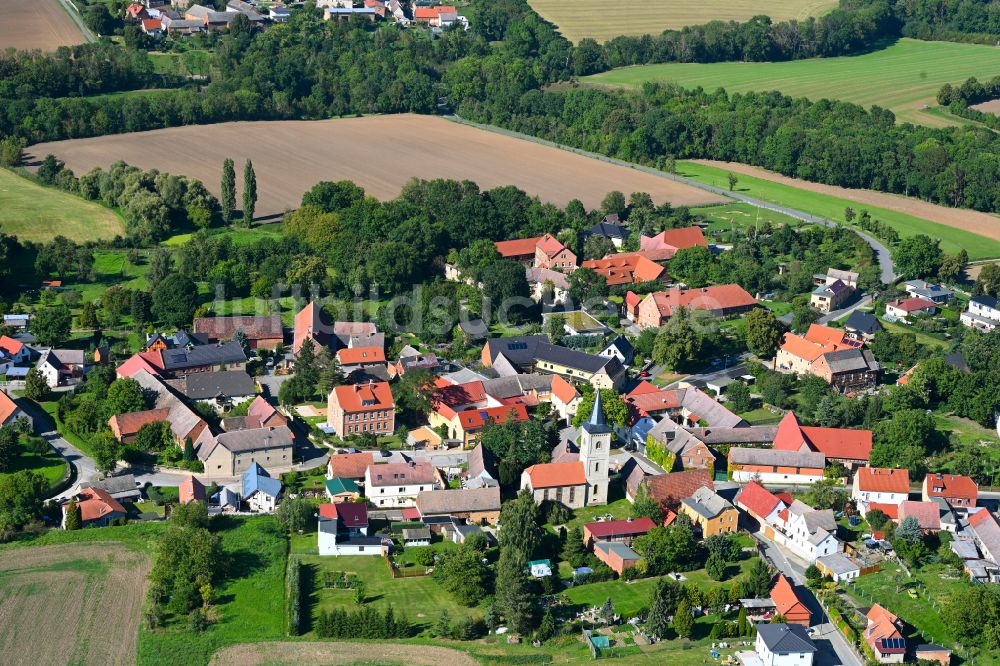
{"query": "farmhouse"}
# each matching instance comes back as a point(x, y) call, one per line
point(97, 508)
point(534, 353)
point(10, 411)
point(259, 490)
point(784, 645)
point(343, 530)
point(539, 252)
point(797, 353)
point(721, 301)
point(669, 489)
point(710, 512)
point(167, 406)
point(829, 297)
point(398, 484)
point(927, 514)
point(776, 466)
point(851, 447)
point(788, 603)
point(231, 453)
point(628, 268)
point(361, 408)
point(958, 491)
point(261, 332)
point(221, 390)
point(760, 504)
point(479, 505)
point(349, 465)
point(62, 367)
point(624, 531)
point(881, 485)
point(672, 240)
point(260, 414)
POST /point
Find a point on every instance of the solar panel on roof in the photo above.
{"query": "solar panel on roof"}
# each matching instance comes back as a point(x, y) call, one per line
point(517, 345)
point(893, 644)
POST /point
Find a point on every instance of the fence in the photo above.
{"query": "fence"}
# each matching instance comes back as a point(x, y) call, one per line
point(396, 572)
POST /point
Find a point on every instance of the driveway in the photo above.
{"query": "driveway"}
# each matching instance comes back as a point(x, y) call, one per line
point(833, 647)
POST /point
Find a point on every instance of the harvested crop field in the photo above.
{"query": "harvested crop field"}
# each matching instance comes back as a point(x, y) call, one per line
point(972, 221)
point(71, 603)
point(340, 654)
point(577, 19)
point(992, 106)
point(37, 24)
point(380, 153)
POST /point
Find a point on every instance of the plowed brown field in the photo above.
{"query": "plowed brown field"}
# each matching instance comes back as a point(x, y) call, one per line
point(36, 24)
point(380, 153)
point(71, 603)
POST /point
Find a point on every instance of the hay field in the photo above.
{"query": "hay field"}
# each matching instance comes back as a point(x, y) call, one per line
point(37, 24)
point(380, 153)
point(257, 654)
point(36, 213)
point(71, 603)
point(904, 77)
point(601, 20)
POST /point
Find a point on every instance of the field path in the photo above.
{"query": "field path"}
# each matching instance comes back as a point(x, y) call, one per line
point(71, 603)
point(40, 24)
point(380, 153)
point(976, 222)
point(333, 654)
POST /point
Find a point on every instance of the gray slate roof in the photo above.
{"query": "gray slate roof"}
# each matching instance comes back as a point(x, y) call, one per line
point(862, 322)
point(851, 360)
point(444, 502)
point(707, 503)
point(222, 352)
point(743, 456)
point(207, 385)
point(785, 638)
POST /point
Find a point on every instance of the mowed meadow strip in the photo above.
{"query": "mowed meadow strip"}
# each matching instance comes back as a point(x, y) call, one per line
point(33, 212)
point(957, 228)
point(379, 153)
point(36, 24)
point(903, 77)
point(602, 20)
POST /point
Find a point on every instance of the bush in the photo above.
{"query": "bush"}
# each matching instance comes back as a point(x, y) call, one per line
point(424, 556)
point(293, 596)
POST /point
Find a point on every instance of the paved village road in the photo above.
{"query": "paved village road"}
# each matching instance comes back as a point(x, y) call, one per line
point(833, 647)
point(881, 251)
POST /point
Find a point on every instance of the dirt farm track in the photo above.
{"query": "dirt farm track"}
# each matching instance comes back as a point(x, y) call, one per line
point(334, 654)
point(72, 603)
point(380, 153)
point(36, 24)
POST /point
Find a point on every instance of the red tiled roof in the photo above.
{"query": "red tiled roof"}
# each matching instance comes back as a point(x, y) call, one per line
point(632, 299)
point(831, 442)
point(757, 499)
point(349, 465)
point(150, 361)
point(647, 402)
point(394, 474)
point(817, 341)
point(95, 503)
point(673, 487)
point(951, 485)
point(890, 510)
point(191, 490)
point(625, 268)
point(10, 345)
point(509, 248)
point(786, 601)
point(549, 244)
point(928, 514)
point(553, 475)
point(254, 327)
point(611, 528)
point(124, 425)
point(151, 24)
point(7, 407)
point(307, 325)
point(364, 397)
point(716, 297)
point(563, 390)
point(357, 355)
point(476, 418)
point(674, 239)
point(883, 480)
point(448, 399)
point(350, 514)
point(912, 304)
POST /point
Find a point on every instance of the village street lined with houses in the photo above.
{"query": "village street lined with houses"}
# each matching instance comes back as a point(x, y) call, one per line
point(396, 332)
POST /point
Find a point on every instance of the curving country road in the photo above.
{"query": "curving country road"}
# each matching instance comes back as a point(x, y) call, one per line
point(882, 253)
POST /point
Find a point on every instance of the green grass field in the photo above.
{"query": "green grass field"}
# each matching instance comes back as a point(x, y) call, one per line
point(831, 207)
point(36, 213)
point(50, 465)
point(903, 77)
point(597, 19)
point(741, 216)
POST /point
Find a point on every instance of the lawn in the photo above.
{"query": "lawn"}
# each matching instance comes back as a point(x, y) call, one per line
point(727, 217)
point(36, 213)
point(591, 18)
point(419, 597)
point(237, 235)
point(51, 408)
point(195, 62)
point(111, 268)
point(904, 77)
point(251, 598)
point(50, 465)
point(761, 416)
point(832, 208)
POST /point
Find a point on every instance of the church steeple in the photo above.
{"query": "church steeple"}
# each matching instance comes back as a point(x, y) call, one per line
point(597, 423)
